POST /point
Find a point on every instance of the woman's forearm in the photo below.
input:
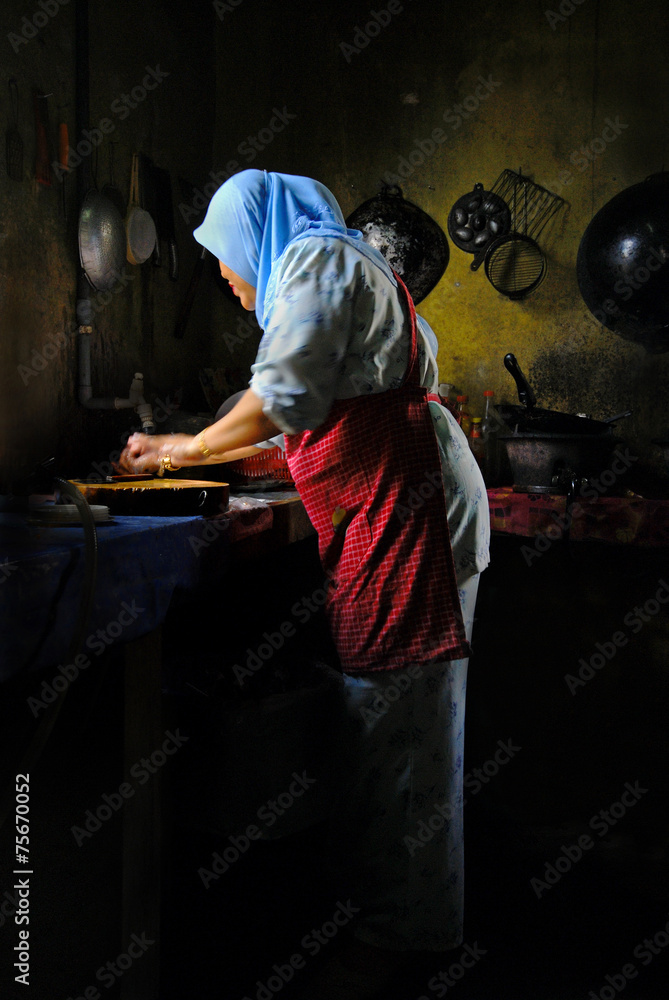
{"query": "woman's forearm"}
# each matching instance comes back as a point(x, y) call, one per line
point(245, 425)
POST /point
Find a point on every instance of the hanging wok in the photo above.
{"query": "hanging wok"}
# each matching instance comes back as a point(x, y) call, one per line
point(621, 265)
point(102, 241)
point(411, 241)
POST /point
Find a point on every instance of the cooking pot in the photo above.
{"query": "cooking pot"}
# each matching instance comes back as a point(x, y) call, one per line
point(411, 241)
point(528, 418)
point(551, 451)
point(556, 462)
point(621, 264)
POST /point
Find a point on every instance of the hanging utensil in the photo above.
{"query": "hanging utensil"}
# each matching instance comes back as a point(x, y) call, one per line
point(13, 140)
point(140, 227)
point(409, 239)
point(515, 264)
point(476, 219)
point(165, 218)
point(42, 159)
point(102, 241)
point(621, 265)
point(182, 320)
point(148, 195)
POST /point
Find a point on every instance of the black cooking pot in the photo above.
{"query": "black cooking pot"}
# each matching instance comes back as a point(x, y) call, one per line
point(411, 241)
point(549, 450)
point(530, 419)
point(621, 264)
point(556, 461)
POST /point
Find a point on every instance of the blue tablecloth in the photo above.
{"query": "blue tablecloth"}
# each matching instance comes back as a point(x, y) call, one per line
point(144, 563)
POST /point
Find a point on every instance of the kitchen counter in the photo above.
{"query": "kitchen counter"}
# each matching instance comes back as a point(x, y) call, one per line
point(144, 563)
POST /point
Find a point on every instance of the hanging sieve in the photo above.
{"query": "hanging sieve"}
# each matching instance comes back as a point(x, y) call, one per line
point(515, 264)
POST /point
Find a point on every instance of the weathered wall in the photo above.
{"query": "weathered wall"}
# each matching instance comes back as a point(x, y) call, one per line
point(173, 124)
point(364, 104)
point(311, 89)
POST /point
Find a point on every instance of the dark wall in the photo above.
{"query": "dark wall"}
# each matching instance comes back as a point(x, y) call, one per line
point(333, 91)
point(170, 46)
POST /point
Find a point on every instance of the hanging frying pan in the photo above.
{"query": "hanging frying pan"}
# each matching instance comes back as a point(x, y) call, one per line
point(102, 241)
point(621, 266)
point(475, 220)
point(140, 227)
point(409, 239)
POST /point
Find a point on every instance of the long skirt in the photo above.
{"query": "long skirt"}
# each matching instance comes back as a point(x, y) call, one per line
point(396, 834)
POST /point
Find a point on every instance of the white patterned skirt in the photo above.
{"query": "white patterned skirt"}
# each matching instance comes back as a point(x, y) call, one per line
point(396, 835)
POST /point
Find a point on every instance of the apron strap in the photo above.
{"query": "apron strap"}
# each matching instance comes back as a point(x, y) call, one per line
point(412, 376)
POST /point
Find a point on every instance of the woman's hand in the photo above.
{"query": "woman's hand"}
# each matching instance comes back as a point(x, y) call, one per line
point(143, 452)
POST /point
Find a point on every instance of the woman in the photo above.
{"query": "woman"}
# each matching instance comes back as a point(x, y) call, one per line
point(342, 371)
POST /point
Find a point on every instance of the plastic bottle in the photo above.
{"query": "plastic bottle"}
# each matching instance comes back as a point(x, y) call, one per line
point(463, 416)
point(476, 442)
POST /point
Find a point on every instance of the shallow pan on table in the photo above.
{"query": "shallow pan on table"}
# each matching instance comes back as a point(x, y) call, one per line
point(157, 497)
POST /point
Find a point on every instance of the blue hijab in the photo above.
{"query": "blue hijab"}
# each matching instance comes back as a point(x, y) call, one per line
point(255, 215)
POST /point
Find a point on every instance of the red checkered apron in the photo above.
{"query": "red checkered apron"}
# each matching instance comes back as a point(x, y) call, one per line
point(370, 480)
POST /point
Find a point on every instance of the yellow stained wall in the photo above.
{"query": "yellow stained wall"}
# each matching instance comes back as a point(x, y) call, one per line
point(364, 100)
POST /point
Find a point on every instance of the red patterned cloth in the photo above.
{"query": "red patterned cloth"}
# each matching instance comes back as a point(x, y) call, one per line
point(370, 480)
point(629, 520)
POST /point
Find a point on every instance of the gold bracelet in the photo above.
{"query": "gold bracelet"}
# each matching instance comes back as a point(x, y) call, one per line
point(202, 445)
point(165, 465)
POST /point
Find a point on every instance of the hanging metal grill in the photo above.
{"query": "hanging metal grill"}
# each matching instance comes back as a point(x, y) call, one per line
point(515, 264)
